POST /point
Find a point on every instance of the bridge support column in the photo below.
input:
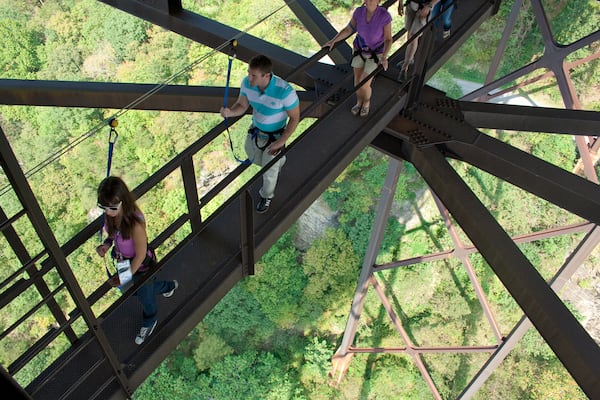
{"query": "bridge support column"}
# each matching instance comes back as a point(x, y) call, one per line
point(343, 355)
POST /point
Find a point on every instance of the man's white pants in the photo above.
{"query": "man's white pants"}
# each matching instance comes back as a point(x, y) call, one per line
point(262, 158)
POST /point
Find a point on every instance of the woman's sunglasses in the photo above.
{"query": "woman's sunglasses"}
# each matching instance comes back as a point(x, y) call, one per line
point(110, 208)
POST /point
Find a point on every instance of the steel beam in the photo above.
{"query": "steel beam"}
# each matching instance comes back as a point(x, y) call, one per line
point(568, 339)
point(531, 119)
point(461, 253)
point(508, 27)
point(15, 175)
point(434, 122)
point(562, 188)
point(216, 35)
point(583, 250)
point(552, 59)
point(383, 210)
point(20, 250)
point(168, 6)
point(188, 175)
point(11, 388)
point(247, 233)
point(319, 28)
point(526, 238)
point(123, 95)
point(344, 354)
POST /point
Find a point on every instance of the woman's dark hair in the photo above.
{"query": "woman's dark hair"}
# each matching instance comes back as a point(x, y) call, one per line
point(111, 191)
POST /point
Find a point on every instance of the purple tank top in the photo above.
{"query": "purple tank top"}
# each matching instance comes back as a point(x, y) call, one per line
point(126, 247)
point(370, 32)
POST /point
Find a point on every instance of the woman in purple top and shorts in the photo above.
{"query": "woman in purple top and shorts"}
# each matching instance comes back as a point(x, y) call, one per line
point(373, 26)
point(126, 228)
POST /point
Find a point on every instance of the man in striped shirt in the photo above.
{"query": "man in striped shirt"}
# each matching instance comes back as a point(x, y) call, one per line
point(273, 101)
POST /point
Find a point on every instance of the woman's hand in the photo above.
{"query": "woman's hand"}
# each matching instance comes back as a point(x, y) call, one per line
point(384, 62)
point(329, 44)
point(102, 249)
point(114, 281)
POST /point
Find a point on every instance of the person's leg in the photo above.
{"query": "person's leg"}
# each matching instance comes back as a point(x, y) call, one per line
point(160, 287)
point(434, 12)
point(366, 91)
point(416, 26)
point(147, 298)
point(409, 24)
point(262, 158)
point(409, 16)
point(255, 155)
point(145, 295)
point(270, 176)
point(252, 152)
point(358, 67)
point(413, 25)
point(447, 17)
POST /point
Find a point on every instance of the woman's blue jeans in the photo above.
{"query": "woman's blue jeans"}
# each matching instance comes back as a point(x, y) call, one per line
point(147, 297)
point(446, 7)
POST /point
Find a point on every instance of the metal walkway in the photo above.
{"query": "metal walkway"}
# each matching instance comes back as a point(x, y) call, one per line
point(208, 264)
point(105, 363)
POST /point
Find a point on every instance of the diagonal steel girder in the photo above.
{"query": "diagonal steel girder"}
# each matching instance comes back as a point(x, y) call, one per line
point(215, 35)
point(319, 28)
point(552, 59)
point(573, 262)
point(531, 119)
point(123, 95)
point(562, 188)
point(433, 123)
point(572, 344)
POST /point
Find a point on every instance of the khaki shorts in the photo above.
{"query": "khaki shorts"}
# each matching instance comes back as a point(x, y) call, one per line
point(368, 63)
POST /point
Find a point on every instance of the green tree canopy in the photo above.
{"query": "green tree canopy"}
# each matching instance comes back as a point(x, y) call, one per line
point(18, 49)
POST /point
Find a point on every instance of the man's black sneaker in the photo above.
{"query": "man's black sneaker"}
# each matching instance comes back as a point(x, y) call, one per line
point(263, 205)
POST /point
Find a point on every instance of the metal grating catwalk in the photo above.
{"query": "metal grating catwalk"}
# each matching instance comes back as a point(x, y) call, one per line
point(407, 121)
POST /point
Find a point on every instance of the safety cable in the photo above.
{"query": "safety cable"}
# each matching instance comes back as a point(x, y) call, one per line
point(112, 139)
point(231, 57)
point(53, 157)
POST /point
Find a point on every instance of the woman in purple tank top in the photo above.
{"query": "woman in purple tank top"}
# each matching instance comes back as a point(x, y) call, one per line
point(373, 26)
point(126, 228)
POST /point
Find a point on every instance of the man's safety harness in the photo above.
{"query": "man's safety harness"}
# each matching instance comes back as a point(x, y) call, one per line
point(270, 136)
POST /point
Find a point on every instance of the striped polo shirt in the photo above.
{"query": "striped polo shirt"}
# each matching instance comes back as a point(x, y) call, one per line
point(270, 108)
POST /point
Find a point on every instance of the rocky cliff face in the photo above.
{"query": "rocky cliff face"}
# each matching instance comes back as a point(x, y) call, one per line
point(313, 223)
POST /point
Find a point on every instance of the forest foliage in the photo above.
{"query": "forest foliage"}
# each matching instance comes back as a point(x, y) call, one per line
point(273, 336)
